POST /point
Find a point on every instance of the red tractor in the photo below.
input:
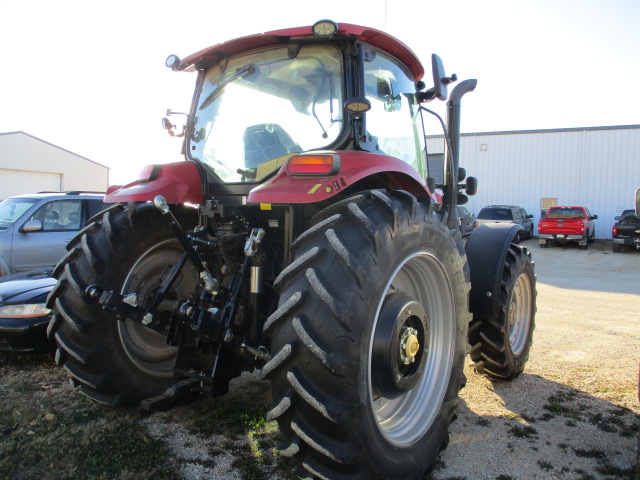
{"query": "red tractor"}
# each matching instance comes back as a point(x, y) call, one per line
point(303, 236)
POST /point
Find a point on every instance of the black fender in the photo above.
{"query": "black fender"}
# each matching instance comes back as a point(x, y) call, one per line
point(486, 250)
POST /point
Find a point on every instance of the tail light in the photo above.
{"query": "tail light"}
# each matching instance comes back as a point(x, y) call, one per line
point(614, 231)
point(475, 224)
point(324, 164)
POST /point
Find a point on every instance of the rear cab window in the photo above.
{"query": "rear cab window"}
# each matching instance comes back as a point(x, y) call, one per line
point(495, 214)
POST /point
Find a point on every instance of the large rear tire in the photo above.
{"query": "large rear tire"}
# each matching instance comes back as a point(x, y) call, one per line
point(377, 281)
point(500, 346)
point(116, 362)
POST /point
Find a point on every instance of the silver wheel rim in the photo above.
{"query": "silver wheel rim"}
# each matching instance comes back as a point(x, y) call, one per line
point(520, 314)
point(145, 348)
point(404, 420)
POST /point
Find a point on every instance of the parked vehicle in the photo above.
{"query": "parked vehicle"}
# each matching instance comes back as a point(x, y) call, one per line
point(466, 221)
point(35, 229)
point(318, 253)
point(507, 214)
point(567, 224)
point(23, 315)
point(626, 230)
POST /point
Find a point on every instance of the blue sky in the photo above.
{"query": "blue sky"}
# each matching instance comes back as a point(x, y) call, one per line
point(90, 76)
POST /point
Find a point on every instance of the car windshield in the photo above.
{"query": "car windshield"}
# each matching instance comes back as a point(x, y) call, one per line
point(565, 213)
point(495, 214)
point(258, 109)
point(11, 209)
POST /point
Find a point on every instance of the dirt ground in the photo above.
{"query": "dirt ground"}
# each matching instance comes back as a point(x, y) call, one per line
point(573, 414)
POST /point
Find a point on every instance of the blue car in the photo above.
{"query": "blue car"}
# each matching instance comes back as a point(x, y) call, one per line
point(23, 314)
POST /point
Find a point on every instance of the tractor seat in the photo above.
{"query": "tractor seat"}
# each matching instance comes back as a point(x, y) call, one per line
point(265, 142)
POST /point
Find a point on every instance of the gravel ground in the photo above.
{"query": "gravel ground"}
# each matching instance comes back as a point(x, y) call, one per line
point(573, 414)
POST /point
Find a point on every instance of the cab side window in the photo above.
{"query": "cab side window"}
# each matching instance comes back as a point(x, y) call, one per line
point(60, 215)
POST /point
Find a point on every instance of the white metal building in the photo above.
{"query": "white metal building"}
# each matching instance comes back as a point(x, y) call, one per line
point(29, 165)
point(594, 167)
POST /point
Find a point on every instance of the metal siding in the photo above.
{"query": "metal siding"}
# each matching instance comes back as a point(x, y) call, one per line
point(594, 167)
point(21, 151)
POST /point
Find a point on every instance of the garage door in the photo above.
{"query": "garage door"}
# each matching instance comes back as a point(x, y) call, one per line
point(18, 182)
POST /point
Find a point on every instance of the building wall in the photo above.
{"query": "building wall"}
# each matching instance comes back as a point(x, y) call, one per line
point(21, 153)
point(597, 167)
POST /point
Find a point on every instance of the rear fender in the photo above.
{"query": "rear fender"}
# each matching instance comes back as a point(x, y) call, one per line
point(352, 167)
point(486, 250)
point(178, 183)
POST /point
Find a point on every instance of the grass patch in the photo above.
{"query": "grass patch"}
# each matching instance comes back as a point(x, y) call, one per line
point(224, 415)
point(243, 418)
point(92, 449)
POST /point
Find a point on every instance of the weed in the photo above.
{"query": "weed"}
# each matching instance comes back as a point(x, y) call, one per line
point(483, 422)
point(523, 431)
point(593, 453)
point(545, 465)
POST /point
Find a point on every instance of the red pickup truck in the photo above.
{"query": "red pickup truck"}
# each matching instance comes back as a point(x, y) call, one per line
point(567, 224)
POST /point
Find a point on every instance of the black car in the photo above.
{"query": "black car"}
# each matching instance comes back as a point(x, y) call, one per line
point(626, 230)
point(23, 314)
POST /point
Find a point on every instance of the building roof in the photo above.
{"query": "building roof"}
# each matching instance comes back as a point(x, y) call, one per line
point(52, 145)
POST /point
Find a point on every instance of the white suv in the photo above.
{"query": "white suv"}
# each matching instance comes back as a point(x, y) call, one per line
point(35, 229)
point(507, 214)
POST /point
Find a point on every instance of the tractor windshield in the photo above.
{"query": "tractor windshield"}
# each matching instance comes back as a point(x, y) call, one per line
point(257, 109)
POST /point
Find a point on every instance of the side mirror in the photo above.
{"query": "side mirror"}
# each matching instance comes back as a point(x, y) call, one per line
point(594, 217)
point(440, 82)
point(32, 226)
point(439, 86)
point(471, 187)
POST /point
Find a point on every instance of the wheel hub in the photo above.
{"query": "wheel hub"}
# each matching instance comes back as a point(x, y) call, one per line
point(399, 346)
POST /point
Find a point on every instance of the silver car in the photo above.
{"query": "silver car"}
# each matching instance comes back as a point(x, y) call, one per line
point(35, 229)
point(507, 214)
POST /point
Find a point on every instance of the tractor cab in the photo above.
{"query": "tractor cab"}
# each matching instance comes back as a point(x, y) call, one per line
point(262, 101)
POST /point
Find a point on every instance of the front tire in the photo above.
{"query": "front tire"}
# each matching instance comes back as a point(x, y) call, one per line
point(377, 281)
point(116, 362)
point(500, 346)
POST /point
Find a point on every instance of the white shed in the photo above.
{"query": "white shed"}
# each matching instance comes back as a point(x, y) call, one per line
point(29, 165)
point(594, 167)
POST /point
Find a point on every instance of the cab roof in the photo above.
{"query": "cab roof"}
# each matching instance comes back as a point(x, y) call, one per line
point(371, 36)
